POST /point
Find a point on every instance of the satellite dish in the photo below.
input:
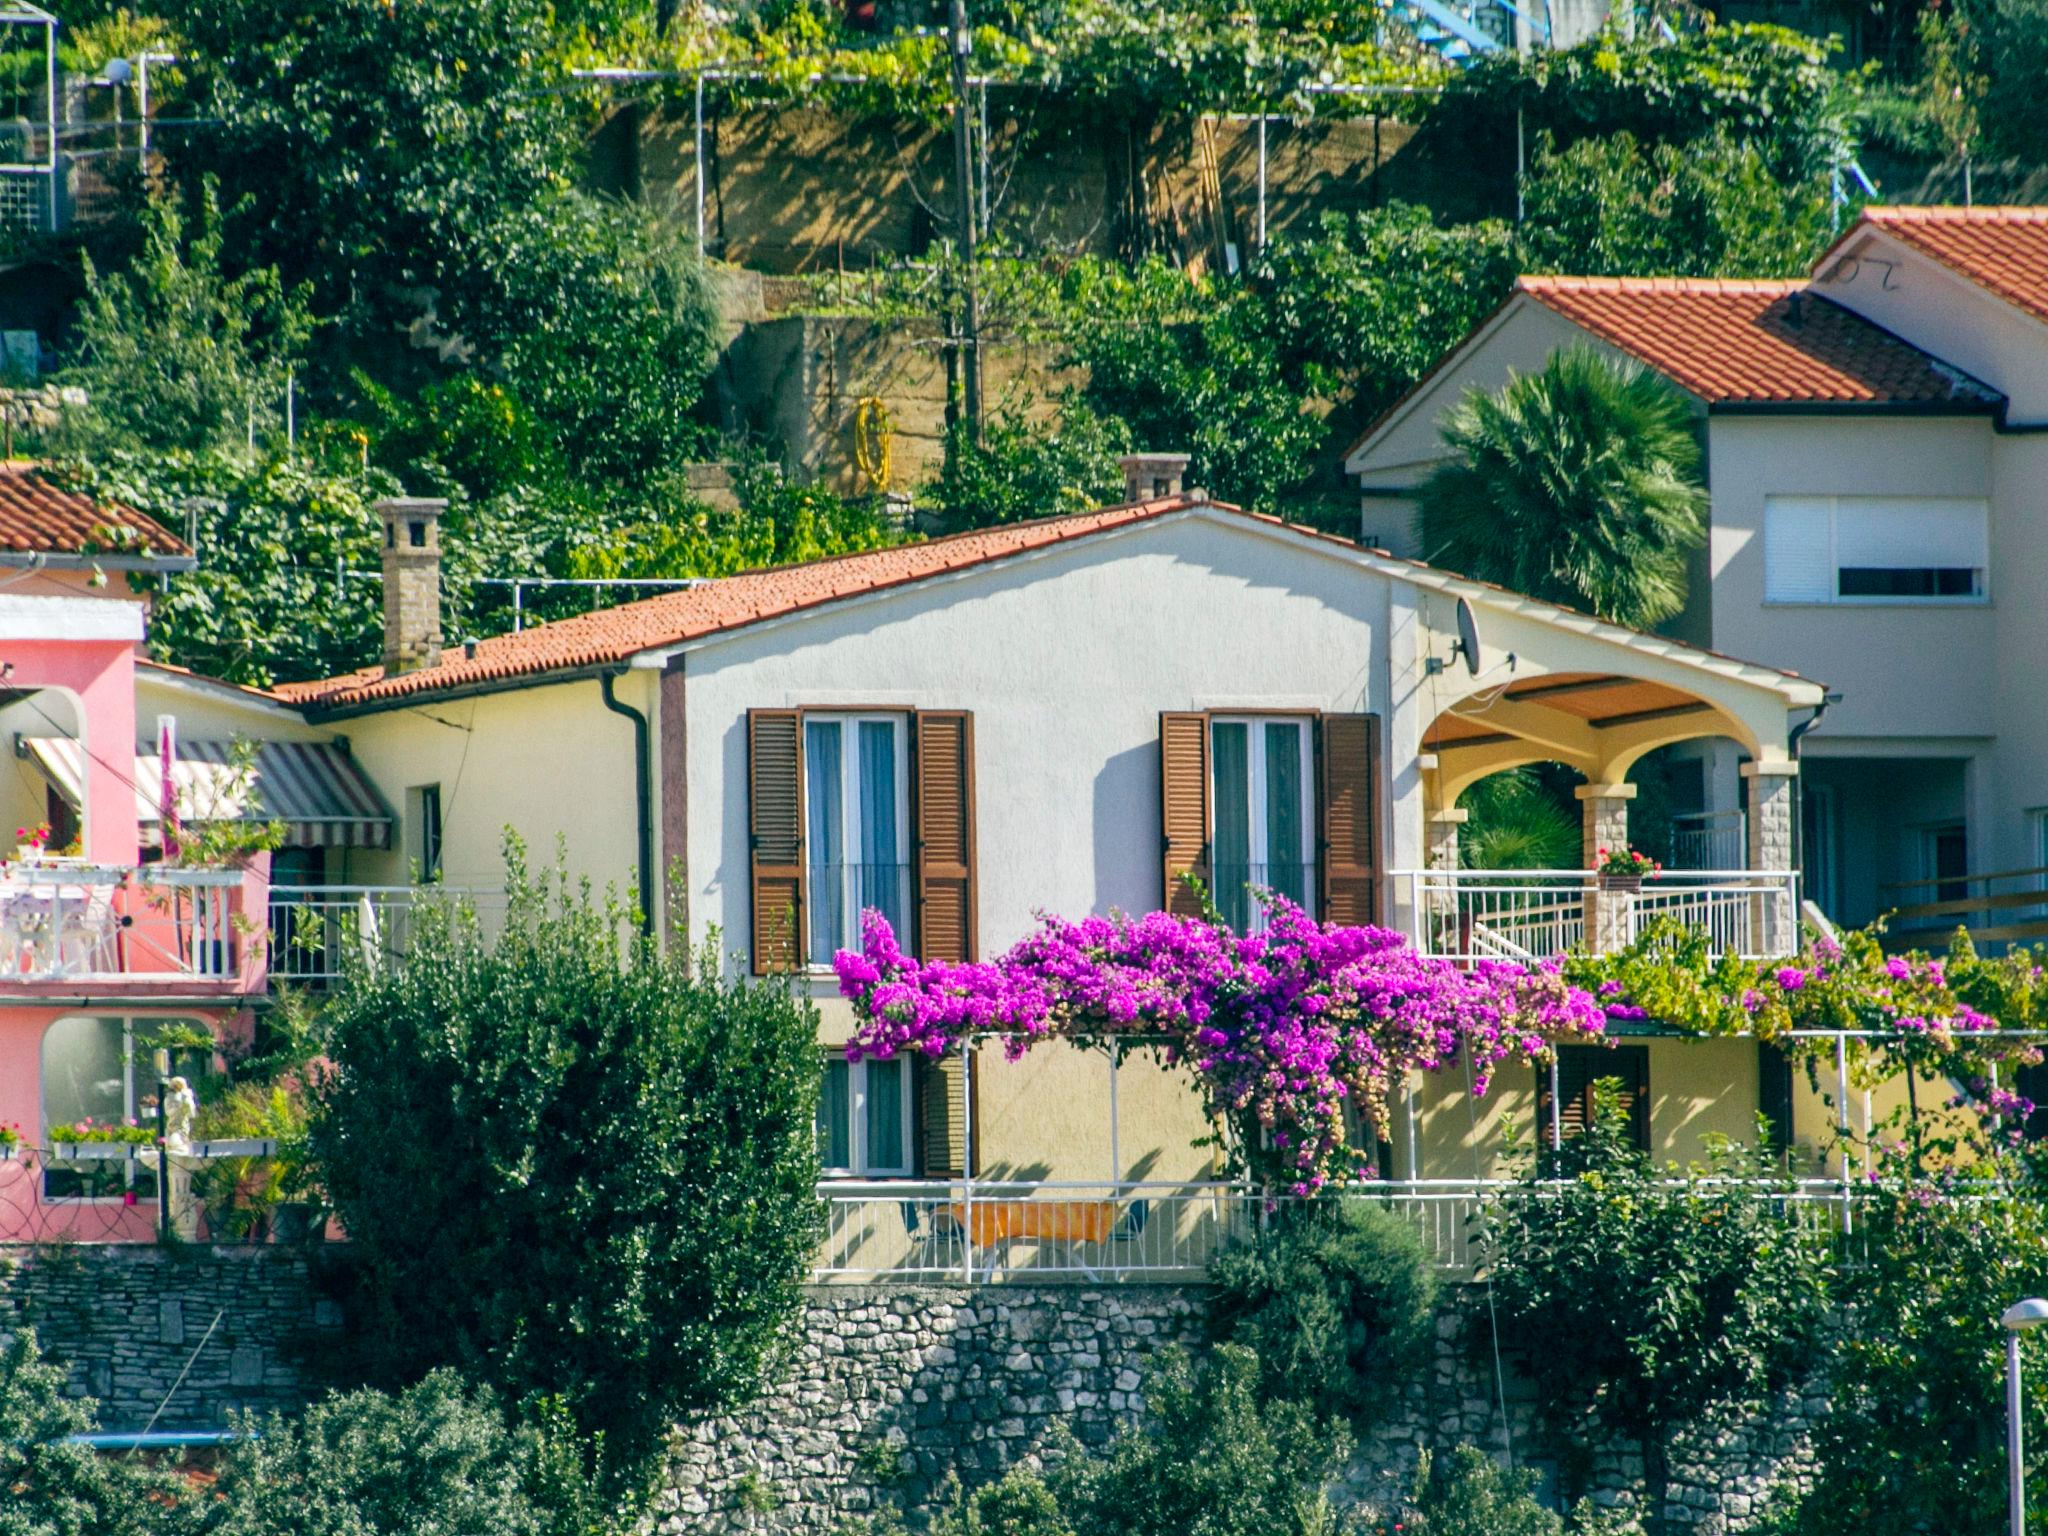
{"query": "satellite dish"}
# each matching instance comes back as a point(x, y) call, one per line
point(118, 72)
point(1468, 637)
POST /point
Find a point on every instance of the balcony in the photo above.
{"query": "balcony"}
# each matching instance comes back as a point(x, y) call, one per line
point(1533, 914)
point(64, 924)
point(316, 932)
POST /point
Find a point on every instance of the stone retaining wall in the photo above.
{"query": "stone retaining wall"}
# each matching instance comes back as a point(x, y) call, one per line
point(889, 1389)
point(242, 1327)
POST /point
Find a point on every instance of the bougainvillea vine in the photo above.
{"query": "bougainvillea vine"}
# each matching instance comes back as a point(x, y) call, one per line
point(1282, 1028)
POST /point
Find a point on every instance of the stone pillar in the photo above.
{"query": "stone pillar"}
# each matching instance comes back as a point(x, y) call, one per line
point(1773, 801)
point(1437, 899)
point(1441, 837)
point(1609, 913)
point(412, 581)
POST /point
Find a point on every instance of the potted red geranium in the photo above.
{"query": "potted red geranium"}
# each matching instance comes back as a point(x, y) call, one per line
point(1624, 869)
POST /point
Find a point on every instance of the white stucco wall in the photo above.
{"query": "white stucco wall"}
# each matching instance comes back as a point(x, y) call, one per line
point(1904, 669)
point(1066, 660)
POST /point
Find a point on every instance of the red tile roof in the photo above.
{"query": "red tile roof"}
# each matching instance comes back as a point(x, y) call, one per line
point(2003, 250)
point(1739, 342)
point(612, 636)
point(39, 518)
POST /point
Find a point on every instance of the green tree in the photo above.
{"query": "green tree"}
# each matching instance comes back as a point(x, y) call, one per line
point(174, 355)
point(1579, 484)
point(571, 1167)
point(373, 151)
point(1516, 822)
point(49, 1484)
point(436, 1457)
point(1641, 1298)
point(1337, 1303)
point(1914, 1437)
point(1023, 469)
point(1711, 208)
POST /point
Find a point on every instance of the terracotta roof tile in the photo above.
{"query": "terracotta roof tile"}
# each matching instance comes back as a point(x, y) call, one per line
point(37, 517)
point(1730, 342)
point(2003, 250)
point(611, 636)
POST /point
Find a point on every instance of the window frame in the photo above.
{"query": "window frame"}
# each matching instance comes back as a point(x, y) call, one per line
point(851, 823)
point(1977, 505)
point(857, 1095)
point(130, 1098)
point(428, 816)
point(1258, 854)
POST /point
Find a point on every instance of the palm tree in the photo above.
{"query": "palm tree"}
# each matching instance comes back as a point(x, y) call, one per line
point(1517, 823)
point(1579, 484)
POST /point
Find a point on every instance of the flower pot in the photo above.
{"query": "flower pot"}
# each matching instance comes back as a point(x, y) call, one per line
point(1621, 883)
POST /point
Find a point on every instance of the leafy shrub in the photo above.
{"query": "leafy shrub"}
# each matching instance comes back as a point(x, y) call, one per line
point(1914, 1439)
point(53, 1486)
point(1338, 1305)
point(570, 1171)
point(1641, 1297)
point(435, 1457)
point(1464, 1492)
point(1023, 469)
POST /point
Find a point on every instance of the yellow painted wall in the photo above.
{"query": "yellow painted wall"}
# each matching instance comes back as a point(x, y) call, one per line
point(551, 762)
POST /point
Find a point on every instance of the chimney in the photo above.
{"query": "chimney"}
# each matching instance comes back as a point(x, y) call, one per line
point(412, 581)
point(1149, 476)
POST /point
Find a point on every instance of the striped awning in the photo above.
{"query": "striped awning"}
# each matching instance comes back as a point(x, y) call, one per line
point(313, 787)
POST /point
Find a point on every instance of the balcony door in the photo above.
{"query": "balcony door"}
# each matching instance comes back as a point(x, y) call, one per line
point(857, 827)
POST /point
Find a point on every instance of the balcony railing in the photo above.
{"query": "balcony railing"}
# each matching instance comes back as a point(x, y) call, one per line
point(1471, 914)
point(109, 1192)
point(1709, 839)
point(839, 893)
point(977, 1232)
point(318, 931)
point(1235, 887)
point(66, 921)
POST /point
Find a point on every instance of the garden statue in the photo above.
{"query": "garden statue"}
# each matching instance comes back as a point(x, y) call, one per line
point(180, 1106)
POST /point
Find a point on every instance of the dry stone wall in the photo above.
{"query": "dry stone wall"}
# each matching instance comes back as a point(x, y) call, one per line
point(889, 1389)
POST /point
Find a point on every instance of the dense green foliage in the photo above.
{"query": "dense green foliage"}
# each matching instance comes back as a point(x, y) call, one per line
point(48, 1485)
point(1516, 822)
point(1915, 1436)
point(1023, 469)
point(1641, 1297)
point(571, 1172)
point(1580, 483)
point(1336, 1303)
point(435, 1457)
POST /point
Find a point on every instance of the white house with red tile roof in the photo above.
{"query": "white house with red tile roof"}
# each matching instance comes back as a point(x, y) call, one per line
point(1874, 456)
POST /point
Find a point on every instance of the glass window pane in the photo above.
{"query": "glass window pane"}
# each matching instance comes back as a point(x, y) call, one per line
point(835, 1121)
point(881, 874)
point(885, 1116)
point(1230, 869)
point(84, 1071)
point(1285, 871)
point(825, 837)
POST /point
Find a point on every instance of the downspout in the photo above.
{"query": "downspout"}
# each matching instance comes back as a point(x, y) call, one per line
point(643, 796)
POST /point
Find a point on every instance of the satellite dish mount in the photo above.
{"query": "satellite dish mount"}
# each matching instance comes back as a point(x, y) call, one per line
point(1467, 645)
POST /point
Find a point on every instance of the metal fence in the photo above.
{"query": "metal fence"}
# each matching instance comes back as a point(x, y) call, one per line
point(1473, 914)
point(1709, 839)
point(318, 931)
point(113, 1192)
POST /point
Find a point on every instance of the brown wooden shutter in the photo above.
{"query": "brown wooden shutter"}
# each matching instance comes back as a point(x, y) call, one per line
point(942, 873)
point(1581, 1066)
point(1350, 832)
point(1184, 807)
point(942, 1141)
point(775, 812)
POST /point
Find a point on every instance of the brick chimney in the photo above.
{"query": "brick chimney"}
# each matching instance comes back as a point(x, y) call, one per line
point(1148, 476)
point(412, 581)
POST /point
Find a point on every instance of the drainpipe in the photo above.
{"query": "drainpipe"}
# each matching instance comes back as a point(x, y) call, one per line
point(643, 795)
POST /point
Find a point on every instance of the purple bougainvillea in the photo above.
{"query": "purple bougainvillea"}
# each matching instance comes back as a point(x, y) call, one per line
point(1282, 1029)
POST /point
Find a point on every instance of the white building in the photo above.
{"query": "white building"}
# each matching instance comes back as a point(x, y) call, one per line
point(1879, 482)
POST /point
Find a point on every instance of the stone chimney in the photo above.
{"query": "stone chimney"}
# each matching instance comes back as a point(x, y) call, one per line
point(412, 581)
point(1149, 476)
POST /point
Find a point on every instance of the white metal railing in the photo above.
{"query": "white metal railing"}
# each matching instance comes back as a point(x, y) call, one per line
point(316, 931)
point(1709, 839)
point(975, 1230)
point(978, 1232)
point(1477, 914)
point(66, 919)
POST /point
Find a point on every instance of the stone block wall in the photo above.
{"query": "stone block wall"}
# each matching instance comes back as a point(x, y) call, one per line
point(887, 1390)
point(242, 1326)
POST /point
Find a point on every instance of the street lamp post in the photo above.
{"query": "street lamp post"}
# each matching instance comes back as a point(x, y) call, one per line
point(2021, 1317)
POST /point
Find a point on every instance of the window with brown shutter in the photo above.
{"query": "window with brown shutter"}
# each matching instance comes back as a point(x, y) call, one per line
point(1350, 832)
point(947, 1095)
point(1184, 807)
point(943, 821)
point(775, 827)
point(1579, 1067)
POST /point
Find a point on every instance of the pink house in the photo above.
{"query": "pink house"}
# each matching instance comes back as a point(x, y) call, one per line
point(117, 955)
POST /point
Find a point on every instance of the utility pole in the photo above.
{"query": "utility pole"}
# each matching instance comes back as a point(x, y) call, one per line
point(963, 177)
